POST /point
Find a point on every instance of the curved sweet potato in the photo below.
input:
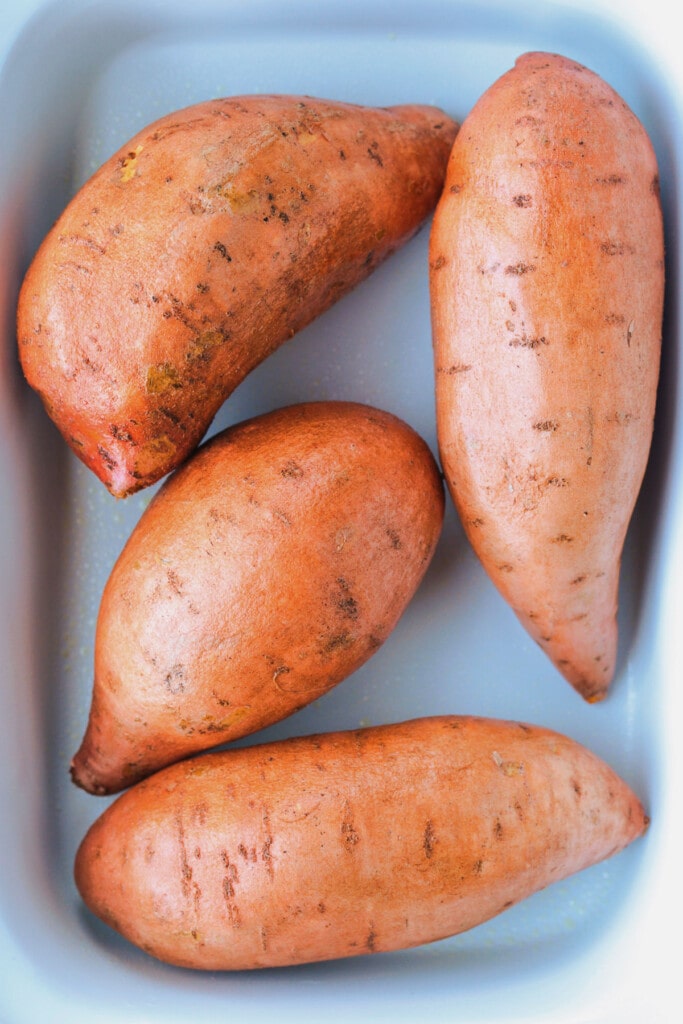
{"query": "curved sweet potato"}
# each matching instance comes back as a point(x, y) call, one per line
point(209, 239)
point(349, 843)
point(269, 567)
point(547, 281)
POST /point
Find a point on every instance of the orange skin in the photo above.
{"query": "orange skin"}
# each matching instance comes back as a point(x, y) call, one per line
point(269, 567)
point(208, 240)
point(349, 843)
point(547, 283)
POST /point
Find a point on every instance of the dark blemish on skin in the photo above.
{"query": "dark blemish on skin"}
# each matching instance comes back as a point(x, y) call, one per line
point(88, 243)
point(438, 263)
point(229, 879)
point(169, 414)
point(374, 155)
point(577, 580)
point(221, 249)
point(291, 470)
point(395, 539)
point(525, 342)
point(611, 179)
point(370, 941)
point(506, 567)
point(455, 189)
point(174, 680)
point(455, 368)
point(615, 318)
point(616, 248)
point(174, 582)
point(342, 154)
point(498, 829)
point(519, 269)
point(523, 201)
point(106, 457)
point(476, 522)
point(368, 258)
point(478, 867)
point(429, 840)
point(655, 187)
point(266, 854)
point(562, 538)
point(349, 606)
point(185, 869)
point(119, 433)
point(547, 425)
point(202, 288)
point(557, 481)
point(348, 831)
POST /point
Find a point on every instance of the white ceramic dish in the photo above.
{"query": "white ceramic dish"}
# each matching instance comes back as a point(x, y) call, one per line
point(77, 80)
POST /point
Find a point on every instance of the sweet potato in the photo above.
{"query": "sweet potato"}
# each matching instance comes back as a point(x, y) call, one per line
point(349, 843)
point(210, 238)
point(269, 567)
point(547, 282)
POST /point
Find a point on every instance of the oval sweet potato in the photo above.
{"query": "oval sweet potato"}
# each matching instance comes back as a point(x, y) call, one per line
point(547, 282)
point(349, 843)
point(269, 567)
point(210, 238)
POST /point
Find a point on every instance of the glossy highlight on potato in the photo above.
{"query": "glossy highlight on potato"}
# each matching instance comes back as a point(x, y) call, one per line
point(547, 285)
point(349, 843)
point(265, 570)
point(204, 243)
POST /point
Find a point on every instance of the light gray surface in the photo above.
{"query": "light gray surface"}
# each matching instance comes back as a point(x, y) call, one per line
point(83, 78)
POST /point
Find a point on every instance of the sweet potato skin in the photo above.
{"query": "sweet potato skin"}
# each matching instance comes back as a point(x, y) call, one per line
point(293, 852)
point(209, 239)
point(269, 567)
point(547, 284)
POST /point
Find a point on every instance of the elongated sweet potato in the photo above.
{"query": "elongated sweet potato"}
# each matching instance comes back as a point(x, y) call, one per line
point(348, 843)
point(270, 566)
point(210, 238)
point(547, 282)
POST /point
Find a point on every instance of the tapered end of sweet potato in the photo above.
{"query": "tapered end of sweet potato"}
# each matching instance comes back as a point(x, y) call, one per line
point(88, 776)
point(579, 633)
